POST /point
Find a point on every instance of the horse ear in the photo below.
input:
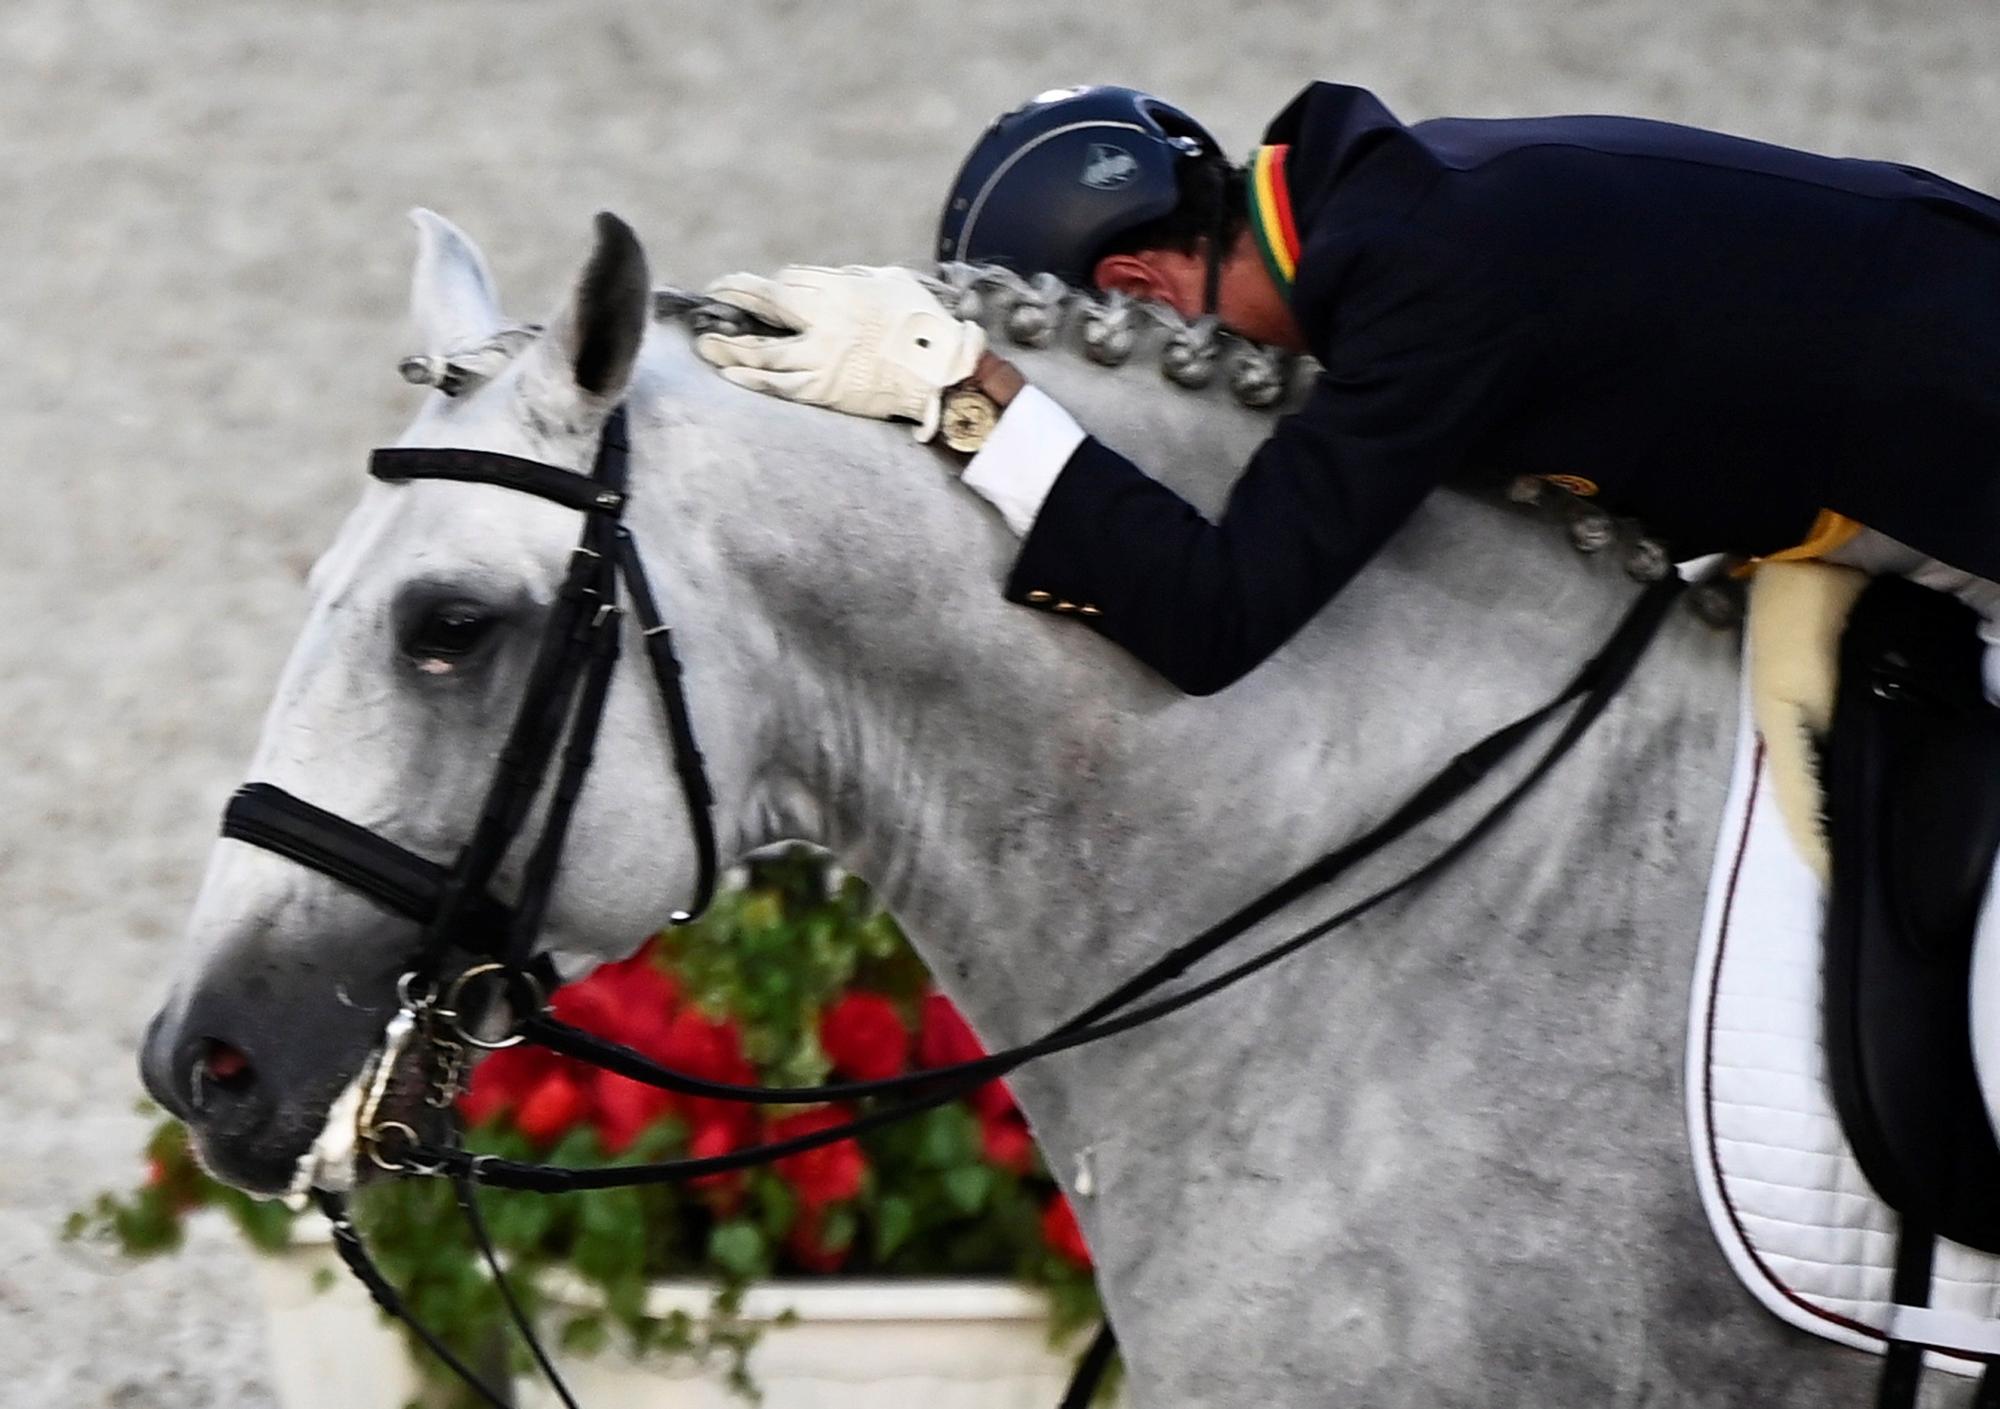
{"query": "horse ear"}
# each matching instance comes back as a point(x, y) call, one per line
point(452, 299)
point(594, 341)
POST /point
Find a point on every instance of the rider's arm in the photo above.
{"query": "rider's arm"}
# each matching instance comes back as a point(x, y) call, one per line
point(1416, 382)
point(1200, 602)
point(1017, 467)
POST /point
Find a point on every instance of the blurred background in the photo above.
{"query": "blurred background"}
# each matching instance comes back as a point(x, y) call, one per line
point(203, 261)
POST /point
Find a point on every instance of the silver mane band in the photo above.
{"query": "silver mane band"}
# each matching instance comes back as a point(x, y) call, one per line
point(1031, 312)
point(1034, 312)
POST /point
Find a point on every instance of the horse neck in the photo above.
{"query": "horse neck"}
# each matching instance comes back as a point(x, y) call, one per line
point(1036, 807)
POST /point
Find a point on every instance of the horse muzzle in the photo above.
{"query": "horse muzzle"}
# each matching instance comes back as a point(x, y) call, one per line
point(253, 1077)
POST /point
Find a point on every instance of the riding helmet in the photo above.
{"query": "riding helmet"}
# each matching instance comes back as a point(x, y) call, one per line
point(1053, 182)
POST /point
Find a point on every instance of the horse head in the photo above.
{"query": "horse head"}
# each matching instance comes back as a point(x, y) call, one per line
point(424, 618)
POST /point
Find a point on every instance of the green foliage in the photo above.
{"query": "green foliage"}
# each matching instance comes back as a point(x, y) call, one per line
point(767, 962)
point(151, 1220)
point(739, 1248)
point(774, 954)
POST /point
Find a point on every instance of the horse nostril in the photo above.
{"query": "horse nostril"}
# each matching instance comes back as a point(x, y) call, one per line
point(222, 1068)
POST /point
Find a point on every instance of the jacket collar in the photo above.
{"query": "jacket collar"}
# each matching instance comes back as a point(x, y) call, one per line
point(1318, 139)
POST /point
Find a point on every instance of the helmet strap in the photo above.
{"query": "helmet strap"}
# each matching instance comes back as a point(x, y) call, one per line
point(1217, 237)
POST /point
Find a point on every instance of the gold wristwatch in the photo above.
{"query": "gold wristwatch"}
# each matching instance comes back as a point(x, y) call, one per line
point(971, 408)
point(969, 416)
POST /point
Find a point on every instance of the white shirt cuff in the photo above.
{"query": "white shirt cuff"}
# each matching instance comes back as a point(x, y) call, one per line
point(1020, 461)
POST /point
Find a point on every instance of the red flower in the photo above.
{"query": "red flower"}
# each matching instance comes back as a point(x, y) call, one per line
point(825, 1175)
point(807, 1246)
point(502, 1079)
point(946, 1039)
point(1060, 1232)
point(701, 1047)
point(723, 1191)
point(555, 1106)
point(624, 1109)
point(864, 1037)
point(641, 984)
point(591, 1004)
point(713, 1051)
point(627, 1002)
point(1007, 1143)
point(646, 1032)
point(994, 1100)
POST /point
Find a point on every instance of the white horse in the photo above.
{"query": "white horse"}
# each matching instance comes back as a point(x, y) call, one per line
point(1437, 1160)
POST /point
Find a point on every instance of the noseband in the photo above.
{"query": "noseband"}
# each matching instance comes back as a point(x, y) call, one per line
point(561, 709)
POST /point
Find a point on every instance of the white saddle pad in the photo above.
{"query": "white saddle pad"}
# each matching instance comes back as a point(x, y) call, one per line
point(1783, 1190)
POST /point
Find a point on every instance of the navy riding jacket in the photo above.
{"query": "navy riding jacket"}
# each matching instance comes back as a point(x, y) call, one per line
point(1723, 336)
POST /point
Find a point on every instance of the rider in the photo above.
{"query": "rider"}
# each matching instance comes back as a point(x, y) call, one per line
point(1747, 347)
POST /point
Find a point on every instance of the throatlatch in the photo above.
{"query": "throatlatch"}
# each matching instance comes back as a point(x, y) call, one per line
point(470, 935)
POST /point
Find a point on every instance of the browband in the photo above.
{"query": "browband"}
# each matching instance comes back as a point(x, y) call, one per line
point(565, 487)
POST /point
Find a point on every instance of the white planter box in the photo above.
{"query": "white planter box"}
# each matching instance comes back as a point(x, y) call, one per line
point(904, 1344)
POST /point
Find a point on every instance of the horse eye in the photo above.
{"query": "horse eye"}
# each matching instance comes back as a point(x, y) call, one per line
point(446, 634)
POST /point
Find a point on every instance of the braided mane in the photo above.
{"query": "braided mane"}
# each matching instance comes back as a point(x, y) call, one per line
point(1031, 312)
point(1036, 312)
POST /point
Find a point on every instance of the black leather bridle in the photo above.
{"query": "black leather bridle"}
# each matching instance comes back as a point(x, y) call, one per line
point(561, 709)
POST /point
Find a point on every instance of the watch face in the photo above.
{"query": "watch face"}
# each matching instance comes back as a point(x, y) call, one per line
point(969, 417)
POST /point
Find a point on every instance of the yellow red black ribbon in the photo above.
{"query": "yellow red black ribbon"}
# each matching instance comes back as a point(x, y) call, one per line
point(1271, 220)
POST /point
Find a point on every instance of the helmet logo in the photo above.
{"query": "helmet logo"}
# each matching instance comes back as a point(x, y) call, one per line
point(1106, 166)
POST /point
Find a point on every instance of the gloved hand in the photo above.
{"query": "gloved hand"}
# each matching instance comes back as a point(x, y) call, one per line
point(869, 341)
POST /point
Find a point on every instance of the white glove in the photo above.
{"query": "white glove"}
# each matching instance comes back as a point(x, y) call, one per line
point(869, 341)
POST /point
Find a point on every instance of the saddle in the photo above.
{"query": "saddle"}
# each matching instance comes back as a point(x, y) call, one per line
point(1912, 776)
